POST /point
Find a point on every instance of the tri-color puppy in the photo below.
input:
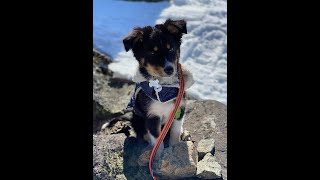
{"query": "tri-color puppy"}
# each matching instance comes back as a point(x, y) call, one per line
point(157, 49)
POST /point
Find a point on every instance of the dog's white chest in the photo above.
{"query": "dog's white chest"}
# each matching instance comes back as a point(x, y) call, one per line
point(161, 110)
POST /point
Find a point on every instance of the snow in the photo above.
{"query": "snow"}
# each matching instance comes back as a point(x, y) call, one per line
point(203, 49)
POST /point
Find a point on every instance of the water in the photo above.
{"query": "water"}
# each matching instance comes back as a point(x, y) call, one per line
point(114, 19)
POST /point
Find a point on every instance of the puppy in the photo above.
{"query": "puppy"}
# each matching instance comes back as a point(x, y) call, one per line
point(157, 49)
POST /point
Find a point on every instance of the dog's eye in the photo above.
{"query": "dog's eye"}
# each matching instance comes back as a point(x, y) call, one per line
point(154, 50)
point(170, 48)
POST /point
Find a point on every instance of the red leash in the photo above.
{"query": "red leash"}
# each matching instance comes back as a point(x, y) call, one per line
point(169, 121)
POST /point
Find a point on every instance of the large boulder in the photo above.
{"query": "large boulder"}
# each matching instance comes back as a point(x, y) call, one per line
point(110, 95)
point(207, 119)
point(133, 149)
point(113, 94)
point(178, 161)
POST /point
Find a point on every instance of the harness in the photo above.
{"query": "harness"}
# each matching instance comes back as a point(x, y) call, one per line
point(162, 93)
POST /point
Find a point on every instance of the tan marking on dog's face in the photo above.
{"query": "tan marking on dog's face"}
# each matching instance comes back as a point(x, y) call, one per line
point(155, 70)
point(177, 57)
point(168, 46)
point(172, 29)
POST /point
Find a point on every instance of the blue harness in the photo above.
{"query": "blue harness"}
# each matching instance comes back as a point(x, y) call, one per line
point(165, 94)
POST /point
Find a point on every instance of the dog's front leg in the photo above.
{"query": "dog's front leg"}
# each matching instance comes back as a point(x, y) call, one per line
point(154, 128)
point(175, 131)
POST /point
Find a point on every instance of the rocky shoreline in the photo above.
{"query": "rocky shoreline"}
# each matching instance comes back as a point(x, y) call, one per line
point(117, 154)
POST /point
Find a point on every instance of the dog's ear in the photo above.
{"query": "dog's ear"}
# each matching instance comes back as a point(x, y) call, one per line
point(133, 38)
point(176, 27)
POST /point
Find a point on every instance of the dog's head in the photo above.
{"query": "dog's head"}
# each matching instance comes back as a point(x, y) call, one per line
point(157, 49)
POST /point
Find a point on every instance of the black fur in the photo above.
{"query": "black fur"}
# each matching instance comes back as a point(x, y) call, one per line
point(139, 123)
point(143, 41)
point(152, 125)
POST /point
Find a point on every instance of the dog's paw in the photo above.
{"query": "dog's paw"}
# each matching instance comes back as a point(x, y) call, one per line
point(159, 151)
point(145, 156)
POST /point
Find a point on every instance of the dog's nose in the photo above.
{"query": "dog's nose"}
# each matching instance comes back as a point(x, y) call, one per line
point(168, 70)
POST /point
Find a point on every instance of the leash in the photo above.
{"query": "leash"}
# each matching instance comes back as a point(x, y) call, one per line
point(169, 121)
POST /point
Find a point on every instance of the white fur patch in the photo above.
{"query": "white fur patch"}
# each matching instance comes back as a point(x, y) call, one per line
point(175, 131)
point(161, 110)
point(153, 142)
point(152, 139)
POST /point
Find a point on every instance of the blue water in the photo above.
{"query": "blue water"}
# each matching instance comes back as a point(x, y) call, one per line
point(114, 19)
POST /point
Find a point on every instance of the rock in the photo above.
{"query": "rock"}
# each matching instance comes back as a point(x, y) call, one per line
point(121, 177)
point(133, 148)
point(108, 155)
point(101, 62)
point(185, 136)
point(145, 156)
point(113, 94)
point(208, 119)
point(208, 168)
point(178, 161)
point(117, 127)
point(99, 114)
point(205, 146)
